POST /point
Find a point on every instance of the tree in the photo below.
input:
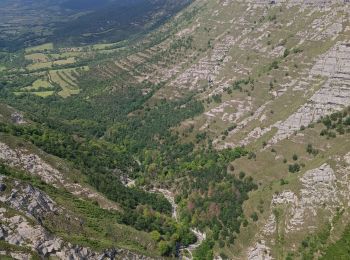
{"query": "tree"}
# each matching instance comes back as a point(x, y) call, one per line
point(155, 235)
point(164, 248)
point(294, 168)
point(241, 175)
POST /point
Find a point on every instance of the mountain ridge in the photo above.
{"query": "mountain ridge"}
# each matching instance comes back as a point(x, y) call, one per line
point(229, 122)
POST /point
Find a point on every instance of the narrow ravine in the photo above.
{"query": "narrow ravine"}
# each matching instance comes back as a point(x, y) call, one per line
point(199, 235)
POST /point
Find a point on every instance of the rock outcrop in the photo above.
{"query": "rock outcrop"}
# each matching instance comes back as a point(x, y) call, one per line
point(259, 252)
point(35, 165)
point(333, 96)
point(323, 189)
point(25, 229)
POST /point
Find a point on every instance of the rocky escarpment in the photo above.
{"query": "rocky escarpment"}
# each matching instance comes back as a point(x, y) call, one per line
point(30, 201)
point(245, 118)
point(333, 96)
point(324, 191)
point(259, 252)
point(22, 210)
point(35, 165)
point(319, 191)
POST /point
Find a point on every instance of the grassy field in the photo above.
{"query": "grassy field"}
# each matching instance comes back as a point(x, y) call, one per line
point(40, 87)
point(39, 83)
point(103, 46)
point(37, 57)
point(43, 47)
point(44, 86)
point(65, 55)
point(39, 66)
point(43, 94)
point(66, 79)
point(69, 60)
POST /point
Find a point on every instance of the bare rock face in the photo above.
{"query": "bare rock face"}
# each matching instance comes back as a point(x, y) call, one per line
point(208, 67)
point(318, 191)
point(35, 165)
point(322, 189)
point(17, 229)
point(259, 252)
point(29, 200)
point(30, 162)
point(333, 96)
point(17, 118)
point(343, 169)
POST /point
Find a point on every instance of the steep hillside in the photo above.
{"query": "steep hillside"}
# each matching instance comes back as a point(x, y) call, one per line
point(223, 133)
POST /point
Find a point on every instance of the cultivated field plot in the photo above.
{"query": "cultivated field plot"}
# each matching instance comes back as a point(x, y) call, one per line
point(40, 87)
point(66, 79)
point(39, 48)
point(64, 82)
point(39, 84)
point(37, 64)
point(37, 57)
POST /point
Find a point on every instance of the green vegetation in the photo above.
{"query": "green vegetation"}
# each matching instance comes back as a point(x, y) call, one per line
point(204, 251)
point(103, 135)
point(311, 150)
point(313, 243)
point(340, 249)
point(13, 248)
point(293, 168)
point(96, 228)
point(336, 123)
point(98, 158)
point(133, 111)
point(42, 47)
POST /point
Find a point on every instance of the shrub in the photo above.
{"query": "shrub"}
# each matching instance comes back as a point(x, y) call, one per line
point(294, 168)
point(241, 175)
point(163, 247)
point(254, 216)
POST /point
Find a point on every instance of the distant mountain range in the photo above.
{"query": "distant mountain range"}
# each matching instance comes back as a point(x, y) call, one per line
point(27, 22)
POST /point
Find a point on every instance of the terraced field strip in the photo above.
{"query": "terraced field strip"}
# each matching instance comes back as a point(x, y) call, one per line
point(43, 47)
point(70, 78)
point(39, 83)
point(37, 57)
point(69, 60)
point(67, 80)
point(38, 93)
point(39, 65)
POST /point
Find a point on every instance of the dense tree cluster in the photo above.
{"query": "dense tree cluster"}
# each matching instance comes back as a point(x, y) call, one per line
point(336, 123)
